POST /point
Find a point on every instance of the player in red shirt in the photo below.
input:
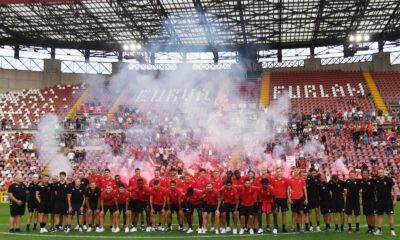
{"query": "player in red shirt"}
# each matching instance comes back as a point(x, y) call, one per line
point(217, 181)
point(193, 199)
point(160, 180)
point(266, 196)
point(280, 185)
point(133, 181)
point(230, 199)
point(173, 177)
point(246, 209)
point(108, 202)
point(237, 180)
point(157, 202)
point(139, 204)
point(251, 176)
point(95, 177)
point(107, 180)
point(212, 205)
point(123, 198)
point(174, 199)
point(297, 197)
point(93, 205)
point(118, 182)
point(187, 182)
point(264, 174)
point(202, 180)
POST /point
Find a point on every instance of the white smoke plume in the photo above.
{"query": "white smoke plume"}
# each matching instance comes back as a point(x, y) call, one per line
point(48, 145)
point(313, 147)
point(339, 166)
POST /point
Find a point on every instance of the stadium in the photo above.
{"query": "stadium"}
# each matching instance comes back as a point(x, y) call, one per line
point(169, 119)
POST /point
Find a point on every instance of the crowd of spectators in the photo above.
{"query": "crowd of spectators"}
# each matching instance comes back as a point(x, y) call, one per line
point(152, 137)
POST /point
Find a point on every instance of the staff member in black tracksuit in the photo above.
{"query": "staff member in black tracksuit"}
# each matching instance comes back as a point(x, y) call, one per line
point(313, 200)
point(325, 200)
point(61, 201)
point(336, 187)
point(53, 185)
point(352, 194)
point(93, 205)
point(76, 202)
point(17, 195)
point(33, 205)
point(43, 196)
point(386, 196)
point(368, 199)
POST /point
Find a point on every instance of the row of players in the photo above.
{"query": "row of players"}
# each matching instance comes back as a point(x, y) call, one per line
point(244, 199)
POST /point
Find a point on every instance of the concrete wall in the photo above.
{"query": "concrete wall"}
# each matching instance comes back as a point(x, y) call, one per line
point(14, 80)
point(52, 75)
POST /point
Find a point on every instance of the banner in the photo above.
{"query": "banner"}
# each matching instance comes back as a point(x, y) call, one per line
point(3, 197)
point(290, 162)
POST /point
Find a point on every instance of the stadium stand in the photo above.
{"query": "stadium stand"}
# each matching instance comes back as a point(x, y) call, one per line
point(23, 109)
point(328, 90)
point(389, 85)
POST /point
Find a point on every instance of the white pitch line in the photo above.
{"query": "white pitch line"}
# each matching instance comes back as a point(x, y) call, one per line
point(49, 235)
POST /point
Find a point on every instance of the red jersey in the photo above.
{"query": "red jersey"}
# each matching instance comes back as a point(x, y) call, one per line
point(108, 198)
point(95, 178)
point(195, 198)
point(133, 182)
point(121, 197)
point(176, 179)
point(238, 182)
point(174, 196)
point(211, 198)
point(217, 184)
point(107, 181)
point(266, 195)
point(280, 187)
point(157, 196)
point(163, 184)
point(133, 195)
point(141, 194)
point(247, 195)
point(296, 187)
point(230, 196)
point(186, 185)
point(116, 184)
point(259, 178)
point(201, 183)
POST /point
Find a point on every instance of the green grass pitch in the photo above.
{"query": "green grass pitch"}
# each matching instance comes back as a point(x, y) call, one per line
point(5, 235)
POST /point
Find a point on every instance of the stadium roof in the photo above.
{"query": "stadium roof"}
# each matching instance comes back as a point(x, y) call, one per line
point(195, 25)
